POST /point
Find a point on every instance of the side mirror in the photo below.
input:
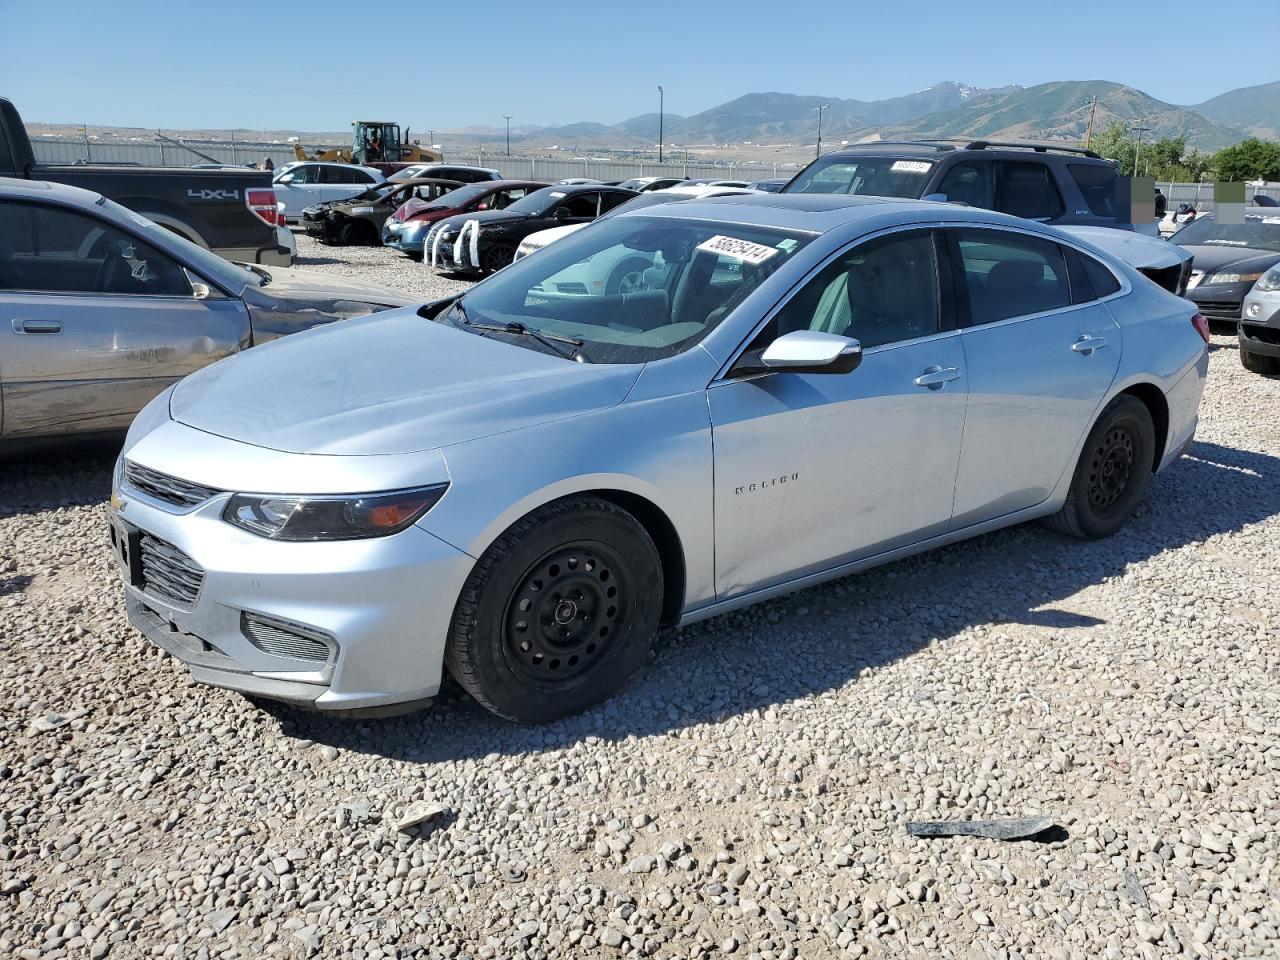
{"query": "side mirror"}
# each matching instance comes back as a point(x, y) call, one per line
point(935, 197)
point(562, 213)
point(804, 351)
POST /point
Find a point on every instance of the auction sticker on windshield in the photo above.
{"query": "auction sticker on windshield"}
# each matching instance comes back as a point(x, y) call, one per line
point(911, 166)
point(744, 250)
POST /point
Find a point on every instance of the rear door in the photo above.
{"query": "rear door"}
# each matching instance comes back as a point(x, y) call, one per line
point(94, 322)
point(1040, 357)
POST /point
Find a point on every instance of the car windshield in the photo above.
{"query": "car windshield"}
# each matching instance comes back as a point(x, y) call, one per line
point(540, 201)
point(864, 176)
point(232, 277)
point(632, 289)
point(1257, 232)
point(406, 173)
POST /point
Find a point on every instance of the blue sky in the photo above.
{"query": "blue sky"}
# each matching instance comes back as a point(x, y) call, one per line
point(310, 65)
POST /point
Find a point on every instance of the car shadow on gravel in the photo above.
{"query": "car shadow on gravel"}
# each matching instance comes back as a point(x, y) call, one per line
point(83, 477)
point(730, 665)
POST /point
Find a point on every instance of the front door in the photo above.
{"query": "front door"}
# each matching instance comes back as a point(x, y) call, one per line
point(1041, 354)
point(94, 322)
point(812, 470)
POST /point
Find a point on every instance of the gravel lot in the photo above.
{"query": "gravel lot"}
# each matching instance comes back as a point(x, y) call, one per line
point(746, 795)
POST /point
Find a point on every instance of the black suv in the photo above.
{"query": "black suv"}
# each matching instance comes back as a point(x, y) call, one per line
point(1052, 184)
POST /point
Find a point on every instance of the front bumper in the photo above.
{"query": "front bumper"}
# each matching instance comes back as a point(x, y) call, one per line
point(382, 605)
point(1259, 329)
point(406, 237)
point(1219, 301)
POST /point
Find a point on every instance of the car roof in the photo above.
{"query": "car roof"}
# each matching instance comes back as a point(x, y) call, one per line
point(936, 149)
point(45, 190)
point(821, 212)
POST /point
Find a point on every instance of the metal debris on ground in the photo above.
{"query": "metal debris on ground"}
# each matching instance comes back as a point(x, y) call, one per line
point(419, 813)
point(1009, 829)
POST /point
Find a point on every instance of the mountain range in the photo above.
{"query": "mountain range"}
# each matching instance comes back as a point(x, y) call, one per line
point(1049, 111)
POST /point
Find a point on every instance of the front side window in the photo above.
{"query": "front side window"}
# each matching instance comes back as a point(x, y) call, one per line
point(864, 176)
point(633, 289)
point(1027, 190)
point(882, 291)
point(299, 176)
point(57, 250)
point(1011, 274)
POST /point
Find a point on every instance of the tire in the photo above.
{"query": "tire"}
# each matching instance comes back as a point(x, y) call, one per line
point(1113, 474)
point(628, 276)
point(558, 613)
point(355, 233)
point(497, 257)
point(1259, 363)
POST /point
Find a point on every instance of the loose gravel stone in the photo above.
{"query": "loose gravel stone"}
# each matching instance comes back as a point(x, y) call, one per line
point(761, 766)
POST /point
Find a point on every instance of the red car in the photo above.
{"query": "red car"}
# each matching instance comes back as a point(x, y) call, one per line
point(405, 229)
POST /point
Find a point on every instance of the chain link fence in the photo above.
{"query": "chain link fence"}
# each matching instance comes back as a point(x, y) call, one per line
point(161, 154)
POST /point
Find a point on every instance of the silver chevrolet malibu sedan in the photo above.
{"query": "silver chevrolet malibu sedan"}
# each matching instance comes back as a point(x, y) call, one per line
point(525, 482)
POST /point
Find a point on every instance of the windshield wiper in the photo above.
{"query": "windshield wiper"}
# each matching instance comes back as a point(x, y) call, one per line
point(265, 277)
point(548, 340)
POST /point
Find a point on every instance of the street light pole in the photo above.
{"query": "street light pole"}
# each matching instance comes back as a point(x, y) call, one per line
point(818, 152)
point(1137, 150)
point(507, 118)
point(660, 98)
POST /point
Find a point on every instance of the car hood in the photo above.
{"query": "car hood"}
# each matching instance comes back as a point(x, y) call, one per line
point(389, 383)
point(1214, 258)
point(320, 289)
point(541, 238)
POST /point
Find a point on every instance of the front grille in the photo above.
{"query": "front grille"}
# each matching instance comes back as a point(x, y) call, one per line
point(284, 639)
point(180, 493)
point(1221, 309)
point(168, 574)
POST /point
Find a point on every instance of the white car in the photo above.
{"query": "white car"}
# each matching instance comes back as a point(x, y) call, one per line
point(536, 241)
point(319, 181)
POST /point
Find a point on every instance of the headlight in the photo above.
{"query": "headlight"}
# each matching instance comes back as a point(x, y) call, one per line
point(350, 517)
point(1269, 281)
point(525, 249)
point(1233, 278)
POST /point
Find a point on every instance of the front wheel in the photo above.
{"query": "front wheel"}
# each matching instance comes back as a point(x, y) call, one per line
point(558, 613)
point(497, 257)
point(1113, 473)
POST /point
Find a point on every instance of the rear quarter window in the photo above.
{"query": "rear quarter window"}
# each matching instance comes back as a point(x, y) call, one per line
point(1097, 183)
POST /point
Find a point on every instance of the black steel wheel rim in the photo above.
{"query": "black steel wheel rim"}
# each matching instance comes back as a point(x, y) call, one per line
point(1111, 467)
point(566, 615)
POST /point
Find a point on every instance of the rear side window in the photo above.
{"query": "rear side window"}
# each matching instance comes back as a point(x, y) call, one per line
point(971, 182)
point(1027, 190)
point(1098, 281)
point(1011, 274)
point(1097, 183)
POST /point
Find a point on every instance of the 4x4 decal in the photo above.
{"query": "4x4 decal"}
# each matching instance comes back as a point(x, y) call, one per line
point(205, 193)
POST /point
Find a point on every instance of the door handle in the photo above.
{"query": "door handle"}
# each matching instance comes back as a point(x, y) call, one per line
point(935, 377)
point(37, 326)
point(1087, 345)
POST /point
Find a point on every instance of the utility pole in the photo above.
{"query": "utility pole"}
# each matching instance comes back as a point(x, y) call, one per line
point(1088, 133)
point(1137, 150)
point(660, 99)
point(508, 119)
point(818, 151)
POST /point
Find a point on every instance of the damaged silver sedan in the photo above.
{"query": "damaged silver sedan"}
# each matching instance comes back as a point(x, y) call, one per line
point(101, 309)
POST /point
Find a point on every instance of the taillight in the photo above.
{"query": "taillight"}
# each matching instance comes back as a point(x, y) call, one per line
point(262, 202)
point(1201, 323)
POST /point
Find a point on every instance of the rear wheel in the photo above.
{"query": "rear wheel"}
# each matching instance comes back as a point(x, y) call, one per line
point(497, 257)
point(558, 613)
point(1113, 473)
point(1259, 362)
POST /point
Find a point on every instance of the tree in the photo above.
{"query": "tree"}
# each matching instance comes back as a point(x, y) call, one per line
point(1250, 160)
point(1164, 159)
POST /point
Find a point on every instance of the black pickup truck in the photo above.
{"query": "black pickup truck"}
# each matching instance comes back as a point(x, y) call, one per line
point(231, 212)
